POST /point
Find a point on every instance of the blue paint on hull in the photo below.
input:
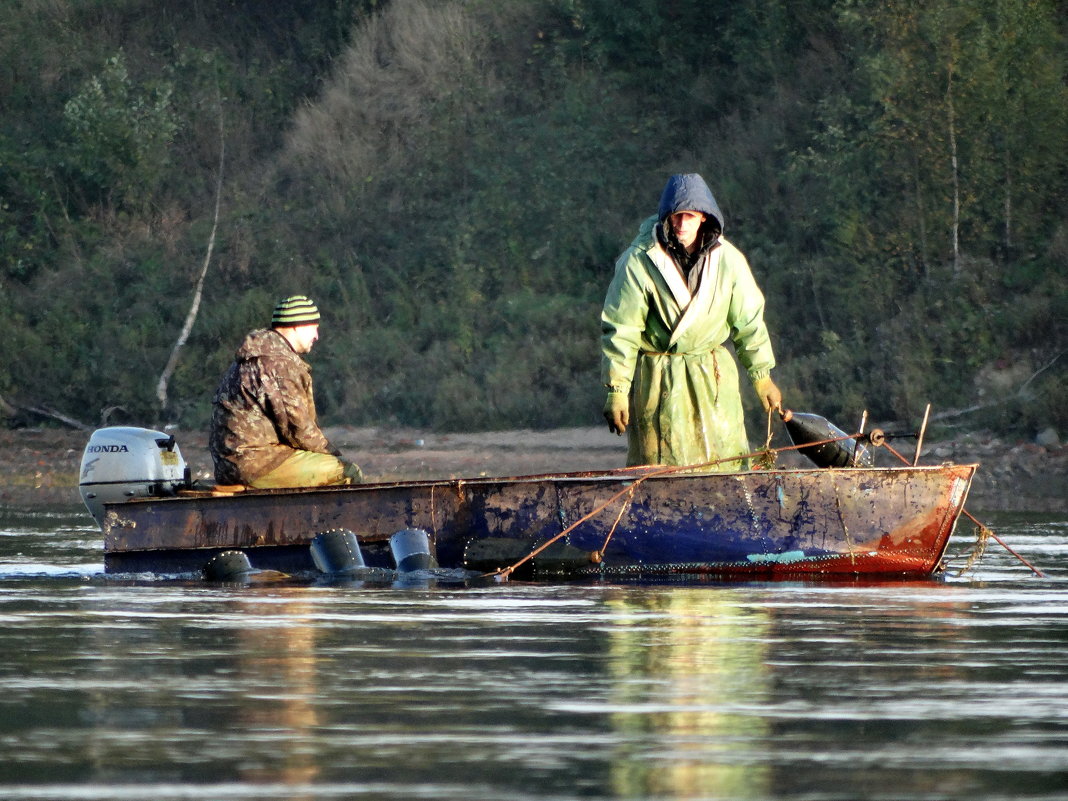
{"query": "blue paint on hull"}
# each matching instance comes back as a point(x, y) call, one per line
point(854, 520)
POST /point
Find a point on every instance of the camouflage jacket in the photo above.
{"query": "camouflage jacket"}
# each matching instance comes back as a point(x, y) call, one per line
point(263, 410)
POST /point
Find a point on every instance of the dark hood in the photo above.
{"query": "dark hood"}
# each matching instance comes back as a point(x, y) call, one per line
point(689, 192)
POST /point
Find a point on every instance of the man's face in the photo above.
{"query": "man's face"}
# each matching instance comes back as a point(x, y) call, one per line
point(304, 336)
point(686, 225)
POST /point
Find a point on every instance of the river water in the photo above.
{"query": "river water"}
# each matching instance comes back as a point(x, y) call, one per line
point(134, 688)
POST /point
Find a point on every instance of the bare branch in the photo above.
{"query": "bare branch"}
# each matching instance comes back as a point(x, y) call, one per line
point(949, 414)
point(1040, 371)
point(44, 411)
point(172, 362)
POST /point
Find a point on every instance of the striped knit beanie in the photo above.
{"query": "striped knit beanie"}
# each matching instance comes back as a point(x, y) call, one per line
point(294, 310)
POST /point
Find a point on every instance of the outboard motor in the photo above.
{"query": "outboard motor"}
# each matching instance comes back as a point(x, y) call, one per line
point(121, 463)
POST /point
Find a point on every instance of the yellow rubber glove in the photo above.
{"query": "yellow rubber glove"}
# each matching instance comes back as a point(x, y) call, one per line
point(617, 412)
point(352, 474)
point(768, 393)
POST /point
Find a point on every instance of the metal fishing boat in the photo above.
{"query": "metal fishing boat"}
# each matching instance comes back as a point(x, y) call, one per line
point(654, 521)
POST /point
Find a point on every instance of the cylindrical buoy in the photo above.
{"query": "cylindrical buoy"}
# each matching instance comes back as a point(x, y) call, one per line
point(228, 566)
point(411, 550)
point(806, 428)
point(336, 551)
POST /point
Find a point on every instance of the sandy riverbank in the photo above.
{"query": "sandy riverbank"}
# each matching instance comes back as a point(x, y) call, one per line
point(39, 467)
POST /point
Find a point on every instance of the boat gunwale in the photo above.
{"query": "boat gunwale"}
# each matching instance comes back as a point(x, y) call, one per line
point(619, 475)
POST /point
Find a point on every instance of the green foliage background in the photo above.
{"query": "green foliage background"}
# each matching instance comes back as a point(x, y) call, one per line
point(452, 182)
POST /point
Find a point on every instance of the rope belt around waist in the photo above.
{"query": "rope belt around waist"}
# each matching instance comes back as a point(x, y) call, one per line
point(711, 351)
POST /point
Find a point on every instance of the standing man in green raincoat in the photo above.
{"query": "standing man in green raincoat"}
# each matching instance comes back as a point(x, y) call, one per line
point(679, 292)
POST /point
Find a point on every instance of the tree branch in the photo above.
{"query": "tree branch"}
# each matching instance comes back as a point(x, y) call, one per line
point(1020, 393)
point(44, 411)
point(172, 362)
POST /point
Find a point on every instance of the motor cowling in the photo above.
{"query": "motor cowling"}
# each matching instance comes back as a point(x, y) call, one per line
point(121, 463)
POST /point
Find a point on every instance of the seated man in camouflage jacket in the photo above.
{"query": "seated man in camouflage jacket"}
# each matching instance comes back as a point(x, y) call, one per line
point(264, 432)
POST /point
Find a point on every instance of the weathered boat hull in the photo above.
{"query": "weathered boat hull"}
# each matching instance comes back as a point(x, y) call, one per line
point(761, 523)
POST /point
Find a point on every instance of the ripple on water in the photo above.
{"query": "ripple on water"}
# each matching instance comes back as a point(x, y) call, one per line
point(116, 687)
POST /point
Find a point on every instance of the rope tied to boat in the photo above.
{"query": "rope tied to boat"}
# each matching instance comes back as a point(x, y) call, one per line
point(762, 457)
point(502, 574)
point(598, 556)
point(1003, 544)
point(984, 533)
point(767, 455)
point(982, 537)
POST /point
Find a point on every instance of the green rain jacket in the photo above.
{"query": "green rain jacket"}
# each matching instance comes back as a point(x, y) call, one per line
point(663, 343)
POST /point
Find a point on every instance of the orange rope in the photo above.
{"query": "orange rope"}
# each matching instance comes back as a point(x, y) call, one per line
point(504, 572)
point(971, 517)
point(1001, 542)
point(898, 455)
point(668, 470)
point(622, 509)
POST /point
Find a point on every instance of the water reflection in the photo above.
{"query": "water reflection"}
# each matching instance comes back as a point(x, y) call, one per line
point(146, 688)
point(684, 667)
point(279, 652)
point(184, 686)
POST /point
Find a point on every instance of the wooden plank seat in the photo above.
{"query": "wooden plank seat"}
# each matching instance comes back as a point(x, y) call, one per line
point(213, 490)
